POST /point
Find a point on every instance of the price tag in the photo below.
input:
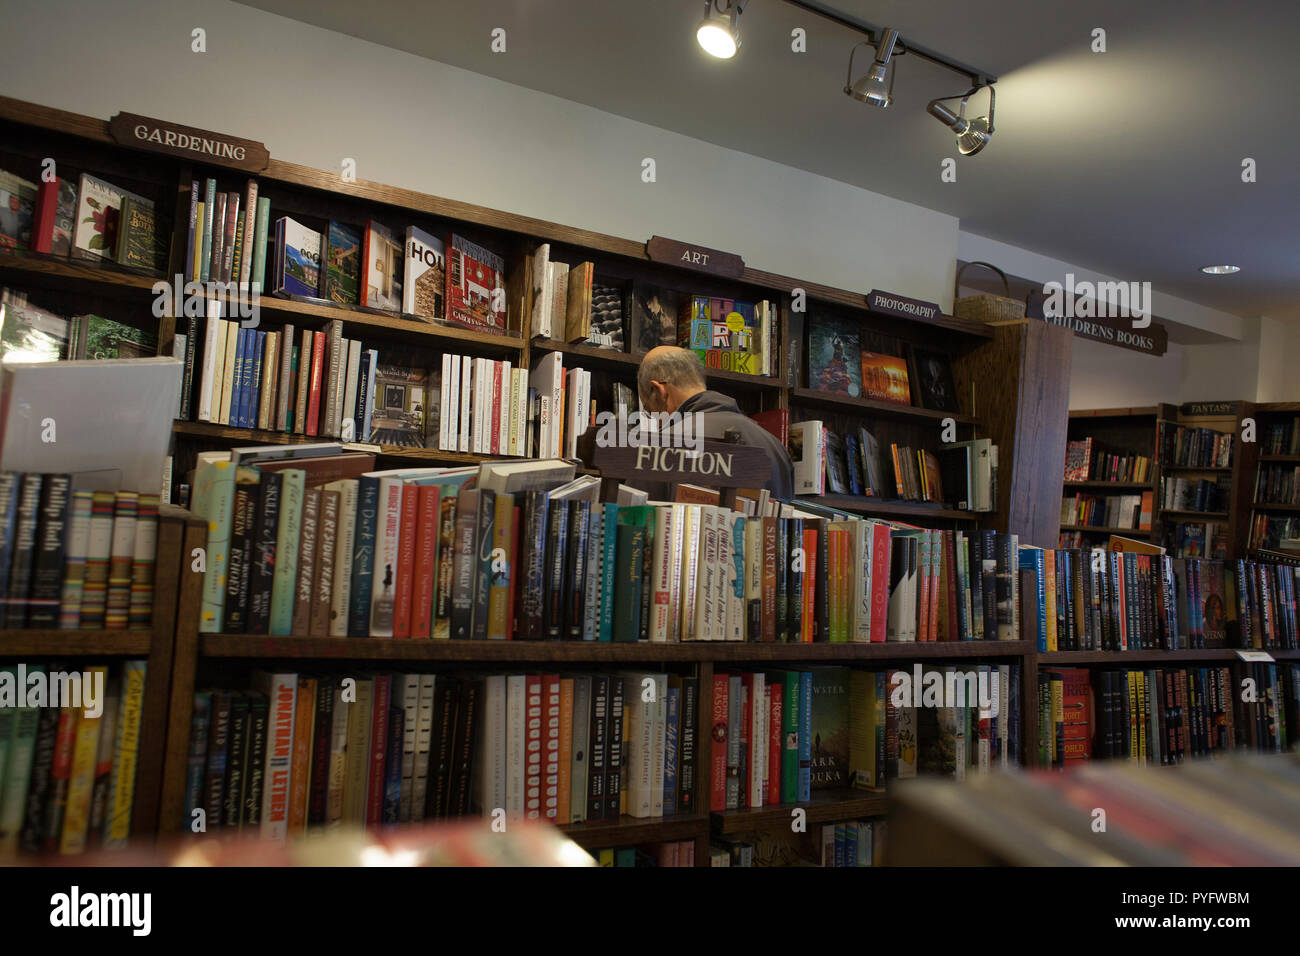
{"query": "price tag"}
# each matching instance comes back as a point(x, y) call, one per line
point(1253, 656)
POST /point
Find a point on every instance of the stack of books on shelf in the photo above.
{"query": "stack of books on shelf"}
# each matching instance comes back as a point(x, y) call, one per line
point(1165, 715)
point(1282, 438)
point(1195, 494)
point(851, 843)
point(90, 220)
point(29, 333)
point(1277, 484)
point(1086, 460)
point(1269, 532)
point(75, 559)
point(1107, 511)
point(298, 752)
point(676, 853)
point(307, 541)
point(1192, 447)
point(67, 773)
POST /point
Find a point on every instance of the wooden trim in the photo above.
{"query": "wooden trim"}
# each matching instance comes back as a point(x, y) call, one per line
point(632, 830)
point(55, 643)
point(867, 406)
point(826, 806)
point(1144, 411)
point(912, 510)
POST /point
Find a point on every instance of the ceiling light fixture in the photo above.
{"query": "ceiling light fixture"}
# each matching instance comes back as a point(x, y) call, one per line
point(719, 31)
point(871, 88)
point(1220, 270)
point(973, 134)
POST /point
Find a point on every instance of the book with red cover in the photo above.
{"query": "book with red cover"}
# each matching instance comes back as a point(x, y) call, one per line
point(718, 744)
point(775, 716)
point(43, 213)
point(494, 447)
point(378, 749)
point(404, 587)
point(769, 579)
point(776, 421)
point(1076, 705)
point(474, 276)
point(425, 557)
point(879, 580)
point(317, 374)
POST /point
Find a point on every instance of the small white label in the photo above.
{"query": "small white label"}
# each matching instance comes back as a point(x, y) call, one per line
point(1255, 656)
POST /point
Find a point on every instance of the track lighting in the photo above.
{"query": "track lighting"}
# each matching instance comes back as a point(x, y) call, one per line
point(972, 135)
point(719, 31)
point(871, 88)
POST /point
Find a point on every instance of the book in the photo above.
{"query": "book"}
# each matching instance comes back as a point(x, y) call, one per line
point(425, 284)
point(342, 264)
point(297, 258)
point(475, 285)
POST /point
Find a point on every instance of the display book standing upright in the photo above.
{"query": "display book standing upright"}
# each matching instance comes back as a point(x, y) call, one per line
point(295, 189)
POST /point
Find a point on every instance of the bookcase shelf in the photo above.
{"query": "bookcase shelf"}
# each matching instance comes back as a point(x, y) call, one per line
point(633, 830)
point(862, 504)
point(867, 406)
point(1194, 515)
point(1099, 529)
point(97, 643)
point(1111, 485)
point(1054, 658)
point(50, 272)
point(826, 806)
point(1279, 458)
point(1258, 506)
point(1198, 468)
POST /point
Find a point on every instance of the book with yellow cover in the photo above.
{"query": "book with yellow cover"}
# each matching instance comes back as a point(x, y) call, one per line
point(126, 752)
point(76, 818)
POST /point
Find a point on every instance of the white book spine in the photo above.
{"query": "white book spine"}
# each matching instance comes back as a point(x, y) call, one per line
point(349, 429)
point(282, 694)
point(423, 741)
point(444, 401)
point(339, 601)
point(410, 697)
point(388, 531)
point(466, 364)
point(502, 410)
point(516, 742)
point(212, 341)
point(492, 763)
point(521, 410)
point(860, 583)
point(658, 746)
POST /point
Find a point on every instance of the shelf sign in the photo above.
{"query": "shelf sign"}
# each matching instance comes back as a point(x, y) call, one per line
point(901, 306)
point(670, 252)
point(1209, 408)
point(1252, 656)
point(187, 142)
point(713, 464)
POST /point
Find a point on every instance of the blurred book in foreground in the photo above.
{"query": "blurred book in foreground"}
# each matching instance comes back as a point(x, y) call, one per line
point(1236, 811)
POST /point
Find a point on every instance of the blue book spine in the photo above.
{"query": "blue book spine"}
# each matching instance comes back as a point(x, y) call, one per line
point(670, 750)
point(236, 380)
point(1031, 559)
point(607, 575)
point(805, 735)
point(198, 760)
point(205, 256)
point(850, 844)
point(255, 380)
point(363, 557)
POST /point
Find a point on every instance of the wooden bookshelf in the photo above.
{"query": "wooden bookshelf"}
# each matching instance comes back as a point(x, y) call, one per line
point(1098, 529)
point(990, 364)
point(1130, 431)
point(826, 806)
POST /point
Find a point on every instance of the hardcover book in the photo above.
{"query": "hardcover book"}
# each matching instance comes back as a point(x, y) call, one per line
point(475, 286)
point(653, 316)
point(381, 265)
point(343, 264)
point(399, 412)
point(884, 378)
point(607, 317)
point(833, 349)
point(17, 208)
point(297, 253)
point(98, 215)
point(425, 282)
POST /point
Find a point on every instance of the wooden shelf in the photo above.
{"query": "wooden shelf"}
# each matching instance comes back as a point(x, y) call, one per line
point(1195, 515)
point(1219, 468)
point(1052, 658)
point(608, 358)
point(75, 275)
point(826, 806)
point(1290, 458)
point(46, 643)
point(389, 649)
point(1126, 532)
point(1144, 411)
point(254, 436)
point(863, 504)
point(1111, 485)
point(867, 406)
point(627, 830)
point(1273, 507)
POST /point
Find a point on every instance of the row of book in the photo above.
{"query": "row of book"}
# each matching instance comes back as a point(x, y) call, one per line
point(1121, 600)
point(781, 736)
point(1196, 539)
point(68, 763)
point(75, 559)
point(1107, 511)
point(676, 853)
point(1088, 460)
point(29, 333)
point(1194, 494)
point(299, 752)
point(827, 462)
point(1274, 533)
point(1277, 485)
point(1191, 446)
point(1165, 715)
point(91, 219)
point(1281, 438)
point(850, 843)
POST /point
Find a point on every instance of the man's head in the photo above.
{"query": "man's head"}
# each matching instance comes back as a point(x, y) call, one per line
point(667, 377)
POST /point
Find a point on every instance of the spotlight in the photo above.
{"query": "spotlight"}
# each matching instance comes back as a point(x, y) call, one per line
point(972, 135)
point(871, 88)
point(719, 31)
point(1220, 270)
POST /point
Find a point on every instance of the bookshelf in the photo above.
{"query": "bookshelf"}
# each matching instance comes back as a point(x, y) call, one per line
point(1273, 495)
point(1005, 377)
point(1121, 431)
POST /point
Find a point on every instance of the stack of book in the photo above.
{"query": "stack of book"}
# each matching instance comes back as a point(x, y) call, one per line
point(67, 773)
point(75, 559)
point(678, 853)
point(1086, 460)
point(1194, 447)
point(1278, 484)
point(1107, 511)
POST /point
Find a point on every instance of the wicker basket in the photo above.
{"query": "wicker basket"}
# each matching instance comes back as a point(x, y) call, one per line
point(987, 308)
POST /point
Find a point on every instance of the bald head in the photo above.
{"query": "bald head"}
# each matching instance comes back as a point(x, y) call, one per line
point(667, 377)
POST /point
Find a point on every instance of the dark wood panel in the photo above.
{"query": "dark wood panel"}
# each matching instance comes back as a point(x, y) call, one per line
point(1056, 658)
point(826, 806)
point(912, 510)
point(45, 643)
point(629, 831)
point(869, 407)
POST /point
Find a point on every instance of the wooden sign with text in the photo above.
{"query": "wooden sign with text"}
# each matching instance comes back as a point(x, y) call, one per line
point(1208, 409)
point(187, 142)
point(673, 253)
point(900, 305)
point(1151, 340)
point(714, 464)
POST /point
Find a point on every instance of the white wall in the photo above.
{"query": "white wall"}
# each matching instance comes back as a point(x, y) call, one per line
point(315, 97)
point(1104, 376)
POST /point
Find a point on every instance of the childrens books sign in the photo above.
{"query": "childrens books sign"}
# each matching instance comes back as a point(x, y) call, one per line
point(673, 253)
point(159, 136)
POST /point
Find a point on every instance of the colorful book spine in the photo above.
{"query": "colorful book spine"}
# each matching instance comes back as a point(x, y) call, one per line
point(143, 561)
point(126, 751)
point(287, 555)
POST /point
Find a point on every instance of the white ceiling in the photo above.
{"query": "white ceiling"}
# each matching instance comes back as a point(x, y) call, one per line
point(1126, 162)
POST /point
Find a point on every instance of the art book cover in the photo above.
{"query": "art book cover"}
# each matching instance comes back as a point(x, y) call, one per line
point(98, 213)
point(29, 334)
point(426, 275)
point(401, 398)
point(833, 349)
point(298, 255)
point(101, 338)
point(343, 265)
point(17, 206)
point(475, 286)
point(830, 727)
point(381, 268)
point(608, 317)
point(653, 316)
point(1214, 607)
point(884, 378)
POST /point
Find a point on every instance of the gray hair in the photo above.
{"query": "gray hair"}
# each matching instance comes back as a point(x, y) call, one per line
point(680, 367)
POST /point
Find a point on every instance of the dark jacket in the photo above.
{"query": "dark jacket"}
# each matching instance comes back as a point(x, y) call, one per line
point(721, 413)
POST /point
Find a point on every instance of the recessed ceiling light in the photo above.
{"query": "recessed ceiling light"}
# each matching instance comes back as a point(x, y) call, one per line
point(719, 31)
point(1220, 270)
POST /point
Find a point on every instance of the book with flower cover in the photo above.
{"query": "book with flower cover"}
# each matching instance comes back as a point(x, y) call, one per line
point(17, 211)
point(99, 209)
point(475, 286)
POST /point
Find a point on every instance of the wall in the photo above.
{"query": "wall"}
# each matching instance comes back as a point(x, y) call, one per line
point(315, 97)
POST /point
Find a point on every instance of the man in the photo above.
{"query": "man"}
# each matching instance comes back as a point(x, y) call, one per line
point(671, 379)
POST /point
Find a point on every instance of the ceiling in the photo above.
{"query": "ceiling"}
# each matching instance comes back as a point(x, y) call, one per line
point(1127, 162)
